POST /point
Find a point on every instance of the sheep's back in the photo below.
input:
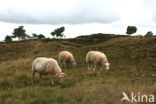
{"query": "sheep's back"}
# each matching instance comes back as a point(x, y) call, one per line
point(95, 57)
point(40, 63)
point(65, 55)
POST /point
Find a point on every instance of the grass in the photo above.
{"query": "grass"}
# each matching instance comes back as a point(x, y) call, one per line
point(133, 69)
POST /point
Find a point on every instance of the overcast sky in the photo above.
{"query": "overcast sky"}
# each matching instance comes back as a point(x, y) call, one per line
point(80, 17)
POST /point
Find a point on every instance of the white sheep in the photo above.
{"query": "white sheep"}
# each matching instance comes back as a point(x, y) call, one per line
point(65, 58)
point(45, 66)
point(97, 58)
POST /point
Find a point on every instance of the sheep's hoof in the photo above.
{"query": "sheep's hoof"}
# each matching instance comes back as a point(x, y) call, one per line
point(52, 82)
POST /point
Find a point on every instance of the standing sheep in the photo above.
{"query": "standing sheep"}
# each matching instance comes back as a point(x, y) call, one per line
point(65, 58)
point(45, 66)
point(97, 58)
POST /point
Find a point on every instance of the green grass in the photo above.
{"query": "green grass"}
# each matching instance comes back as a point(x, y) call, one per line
point(132, 69)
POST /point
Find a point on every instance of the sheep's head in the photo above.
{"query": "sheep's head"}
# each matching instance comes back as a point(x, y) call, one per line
point(60, 75)
point(73, 63)
point(107, 66)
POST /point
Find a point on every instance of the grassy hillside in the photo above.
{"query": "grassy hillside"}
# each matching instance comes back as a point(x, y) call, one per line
point(133, 69)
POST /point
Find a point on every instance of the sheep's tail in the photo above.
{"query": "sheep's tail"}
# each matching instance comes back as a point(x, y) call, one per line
point(33, 67)
point(87, 58)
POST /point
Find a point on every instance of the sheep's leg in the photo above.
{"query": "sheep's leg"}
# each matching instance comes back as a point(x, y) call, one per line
point(106, 71)
point(61, 63)
point(70, 66)
point(65, 65)
point(40, 76)
point(94, 67)
point(89, 67)
point(52, 82)
point(33, 77)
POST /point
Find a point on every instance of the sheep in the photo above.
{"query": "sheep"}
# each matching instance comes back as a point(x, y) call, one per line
point(45, 66)
point(66, 57)
point(96, 58)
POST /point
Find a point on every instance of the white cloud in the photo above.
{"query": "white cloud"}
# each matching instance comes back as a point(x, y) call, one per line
point(78, 16)
point(58, 12)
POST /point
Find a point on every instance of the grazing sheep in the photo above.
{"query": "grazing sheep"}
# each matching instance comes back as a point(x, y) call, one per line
point(97, 58)
point(45, 66)
point(65, 58)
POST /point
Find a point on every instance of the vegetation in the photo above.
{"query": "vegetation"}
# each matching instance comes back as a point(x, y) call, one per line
point(131, 30)
point(35, 36)
point(149, 34)
point(19, 33)
point(8, 39)
point(133, 63)
point(58, 32)
point(41, 36)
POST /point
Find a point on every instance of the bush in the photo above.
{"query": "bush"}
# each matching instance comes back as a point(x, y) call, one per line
point(149, 34)
point(41, 36)
point(8, 39)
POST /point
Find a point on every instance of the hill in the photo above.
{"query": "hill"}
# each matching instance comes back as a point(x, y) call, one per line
point(132, 69)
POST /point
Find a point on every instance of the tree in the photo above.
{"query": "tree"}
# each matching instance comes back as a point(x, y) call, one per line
point(40, 36)
point(35, 36)
point(149, 33)
point(19, 33)
point(28, 36)
point(131, 30)
point(8, 39)
point(58, 32)
point(53, 34)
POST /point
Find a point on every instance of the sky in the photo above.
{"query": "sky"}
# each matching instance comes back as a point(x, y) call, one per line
point(79, 17)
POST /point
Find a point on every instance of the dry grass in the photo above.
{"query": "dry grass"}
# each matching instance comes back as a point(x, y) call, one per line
point(133, 69)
